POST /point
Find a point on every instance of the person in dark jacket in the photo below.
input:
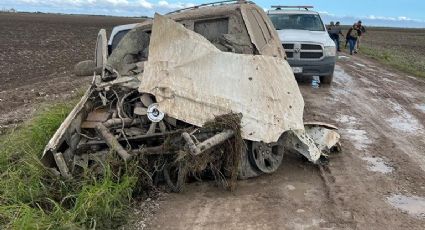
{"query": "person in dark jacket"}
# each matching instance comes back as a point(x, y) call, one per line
point(331, 25)
point(352, 35)
point(336, 31)
point(333, 34)
point(361, 31)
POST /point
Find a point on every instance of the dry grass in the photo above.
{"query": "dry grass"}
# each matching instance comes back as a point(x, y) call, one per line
point(222, 161)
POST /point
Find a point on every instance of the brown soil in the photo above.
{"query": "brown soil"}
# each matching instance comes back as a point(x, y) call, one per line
point(380, 112)
point(37, 55)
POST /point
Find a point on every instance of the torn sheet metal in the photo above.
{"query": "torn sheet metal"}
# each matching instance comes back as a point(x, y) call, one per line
point(67, 132)
point(254, 22)
point(193, 81)
point(315, 140)
point(324, 135)
point(300, 142)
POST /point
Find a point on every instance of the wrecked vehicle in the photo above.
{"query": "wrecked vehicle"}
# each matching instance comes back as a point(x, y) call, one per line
point(203, 81)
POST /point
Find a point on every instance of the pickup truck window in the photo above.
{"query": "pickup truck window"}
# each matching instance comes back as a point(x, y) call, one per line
point(310, 22)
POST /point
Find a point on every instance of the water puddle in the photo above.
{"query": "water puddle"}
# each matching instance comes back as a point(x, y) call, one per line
point(343, 79)
point(412, 77)
point(307, 224)
point(389, 80)
point(358, 64)
point(377, 164)
point(372, 90)
point(346, 119)
point(421, 107)
point(358, 137)
point(368, 82)
point(342, 76)
point(408, 94)
point(342, 57)
point(403, 121)
point(404, 124)
point(412, 205)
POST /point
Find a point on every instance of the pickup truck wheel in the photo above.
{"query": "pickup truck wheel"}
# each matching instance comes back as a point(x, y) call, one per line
point(327, 79)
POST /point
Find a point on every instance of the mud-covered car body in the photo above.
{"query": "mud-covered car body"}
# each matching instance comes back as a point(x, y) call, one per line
point(117, 33)
point(165, 80)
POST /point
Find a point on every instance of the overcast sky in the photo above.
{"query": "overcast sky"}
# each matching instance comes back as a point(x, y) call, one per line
point(397, 13)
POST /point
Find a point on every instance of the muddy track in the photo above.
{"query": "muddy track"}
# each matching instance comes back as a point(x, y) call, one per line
point(381, 117)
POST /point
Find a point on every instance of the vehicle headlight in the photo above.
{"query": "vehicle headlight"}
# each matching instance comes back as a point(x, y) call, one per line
point(329, 51)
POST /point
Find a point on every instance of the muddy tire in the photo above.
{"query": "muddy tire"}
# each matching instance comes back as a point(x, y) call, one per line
point(266, 158)
point(326, 79)
point(175, 176)
point(85, 68)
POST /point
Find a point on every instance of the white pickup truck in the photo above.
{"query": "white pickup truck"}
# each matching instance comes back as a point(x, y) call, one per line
point(309, 49)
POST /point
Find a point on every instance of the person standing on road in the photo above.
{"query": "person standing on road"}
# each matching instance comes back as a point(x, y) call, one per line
point(336, 31)
point(352, 35)
point(333, 34)
point(331, 25)
point(361, 32)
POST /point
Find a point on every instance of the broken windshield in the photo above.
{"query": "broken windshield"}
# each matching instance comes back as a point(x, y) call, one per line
point(310, 22)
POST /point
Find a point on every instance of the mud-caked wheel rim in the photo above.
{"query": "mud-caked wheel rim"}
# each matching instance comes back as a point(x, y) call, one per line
point(266, 157)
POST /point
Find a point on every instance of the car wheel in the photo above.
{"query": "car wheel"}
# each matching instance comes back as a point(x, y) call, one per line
point(266, 158)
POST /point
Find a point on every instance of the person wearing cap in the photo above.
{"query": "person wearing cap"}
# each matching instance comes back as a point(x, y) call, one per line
point(361, 31)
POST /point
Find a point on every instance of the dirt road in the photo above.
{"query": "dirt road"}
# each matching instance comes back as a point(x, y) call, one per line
point(376, 182)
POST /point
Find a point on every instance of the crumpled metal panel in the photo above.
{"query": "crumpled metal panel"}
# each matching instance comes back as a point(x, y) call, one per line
point(255, 22)
point(65, 132)
point(193, 81)
point(315, 140)
point(324, 135)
